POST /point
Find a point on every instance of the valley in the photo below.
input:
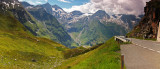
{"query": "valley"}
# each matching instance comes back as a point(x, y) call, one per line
point(25, 39)
point(45, 34)
point(75, 22)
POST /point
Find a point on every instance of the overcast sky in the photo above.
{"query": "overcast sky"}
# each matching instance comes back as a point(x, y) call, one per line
point(91, 6)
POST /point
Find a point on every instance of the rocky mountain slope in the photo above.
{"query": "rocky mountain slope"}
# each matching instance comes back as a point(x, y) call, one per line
point(64, 17)
point(128, 21)
point(76, 23)
point(48, 27)
point(54, 29)
point(94, 29)
point(148, 26)
point(98, 24)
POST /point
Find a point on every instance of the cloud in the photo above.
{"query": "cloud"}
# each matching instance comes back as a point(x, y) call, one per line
point(46, 0)
point(35, 2)
point(64, 1)
point(86, 8)
point(135, 7)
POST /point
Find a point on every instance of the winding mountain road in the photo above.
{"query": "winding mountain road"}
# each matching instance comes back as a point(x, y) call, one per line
point(141, 54)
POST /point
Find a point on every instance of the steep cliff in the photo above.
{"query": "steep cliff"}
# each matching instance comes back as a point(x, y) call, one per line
point(148, 26)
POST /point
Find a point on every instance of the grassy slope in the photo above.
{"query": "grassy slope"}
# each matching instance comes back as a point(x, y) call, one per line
point(50, 28)
point(96, 32)
point(104, 57)
point(19, 49)
point(99, 33)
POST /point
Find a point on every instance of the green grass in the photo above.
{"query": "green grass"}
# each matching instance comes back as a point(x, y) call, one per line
point(104, 57)
point(19, 49)
point(96, 32)
point(48, 26)
point(145, 39)
point(141, 38)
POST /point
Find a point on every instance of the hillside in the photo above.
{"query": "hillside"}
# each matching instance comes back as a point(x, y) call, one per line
point(20, 49)
point(54, 30)
point(17, 43)
point(84, 30)
point(93, 30)
point(103, 57)
point(40, 28)
point(148, 26)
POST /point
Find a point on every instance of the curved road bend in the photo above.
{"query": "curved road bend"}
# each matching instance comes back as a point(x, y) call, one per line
point(142, 54)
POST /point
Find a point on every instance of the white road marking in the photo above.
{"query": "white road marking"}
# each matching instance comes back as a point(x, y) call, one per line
point(144, 47)
point(147, 48)
point(151, 49)
point(157, 44)
point(158, 51)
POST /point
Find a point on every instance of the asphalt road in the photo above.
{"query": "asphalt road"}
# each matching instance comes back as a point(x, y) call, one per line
point(142, 54)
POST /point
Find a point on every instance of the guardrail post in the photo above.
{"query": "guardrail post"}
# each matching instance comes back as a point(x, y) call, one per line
point(122, 61)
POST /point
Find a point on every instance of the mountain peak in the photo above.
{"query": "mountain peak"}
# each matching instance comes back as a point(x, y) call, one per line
point(47, 7)
point(101, 11)
point(56, 7)
point(58, 10)
point(47, 4)
point(26, 4)
point(100, 14)
point(77, 13)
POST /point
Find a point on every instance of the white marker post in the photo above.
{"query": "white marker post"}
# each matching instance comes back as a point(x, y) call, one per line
point(158, 35)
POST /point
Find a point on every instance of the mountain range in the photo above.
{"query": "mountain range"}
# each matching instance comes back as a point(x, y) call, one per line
point(74, 28)
point(40, 36)
point(84, 30)
point(37, 24)
point(19, 46)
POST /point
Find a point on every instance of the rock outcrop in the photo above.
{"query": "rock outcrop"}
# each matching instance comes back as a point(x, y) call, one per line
point(148, 26)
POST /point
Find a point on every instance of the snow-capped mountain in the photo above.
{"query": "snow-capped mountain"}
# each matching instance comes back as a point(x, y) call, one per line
point(127, 20)
point(58, 12)
point(9, 4)
point(50, 26)
point(99, 26)
point(64, 17)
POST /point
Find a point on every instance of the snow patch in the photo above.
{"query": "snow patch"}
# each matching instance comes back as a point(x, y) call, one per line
point(6, 4)
point(87, 14)
point(13, 4)
point(29, 7)
point(30, 22)
point(53, 9)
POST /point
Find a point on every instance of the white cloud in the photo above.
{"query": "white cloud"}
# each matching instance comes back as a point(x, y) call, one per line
point(85, 8)
point(21, 0)
point(35, 2)
point(46, 0)
point(64, 1)
point(112, 6)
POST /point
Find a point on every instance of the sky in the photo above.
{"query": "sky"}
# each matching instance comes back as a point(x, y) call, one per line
point(135, 7)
